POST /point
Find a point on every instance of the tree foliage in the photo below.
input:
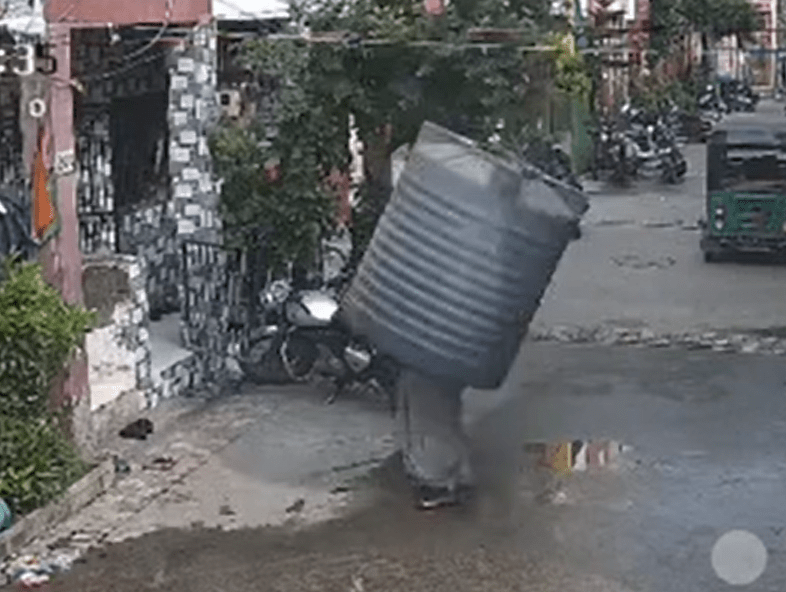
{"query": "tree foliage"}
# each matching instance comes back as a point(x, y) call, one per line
point(713, 18)
point(38, 335)
point(424, 69)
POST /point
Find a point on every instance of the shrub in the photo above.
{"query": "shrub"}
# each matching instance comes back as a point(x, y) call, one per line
point(37, 462)
point(39, 332)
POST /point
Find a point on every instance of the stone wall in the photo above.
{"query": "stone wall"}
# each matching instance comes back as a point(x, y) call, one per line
point(118, 348)
point(193, 113)
point(150, 233)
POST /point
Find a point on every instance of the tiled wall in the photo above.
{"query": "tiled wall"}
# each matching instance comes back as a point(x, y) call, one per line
point(186, 209)
point(148, 228)
point(151, 233)
point(193, 112)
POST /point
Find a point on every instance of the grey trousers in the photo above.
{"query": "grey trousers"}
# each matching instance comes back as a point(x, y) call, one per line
point(434, 446)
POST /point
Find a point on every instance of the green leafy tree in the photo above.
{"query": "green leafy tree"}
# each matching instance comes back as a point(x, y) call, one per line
point(423, 68)
point(714, 19)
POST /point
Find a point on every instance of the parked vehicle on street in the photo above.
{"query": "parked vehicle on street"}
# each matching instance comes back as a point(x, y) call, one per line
point(612, 154)
point(302, 339)
point(654, 146)
point(738, 95)
point(711, 104)
point(746, 189)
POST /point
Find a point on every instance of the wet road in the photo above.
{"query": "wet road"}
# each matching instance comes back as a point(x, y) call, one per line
point(639, 264)
point(708, 433)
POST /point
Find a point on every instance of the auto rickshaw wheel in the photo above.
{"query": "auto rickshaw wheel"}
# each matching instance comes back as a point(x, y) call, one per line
point(712, 257)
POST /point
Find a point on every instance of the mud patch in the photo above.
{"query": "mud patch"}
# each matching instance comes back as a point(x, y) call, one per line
point(105, 286)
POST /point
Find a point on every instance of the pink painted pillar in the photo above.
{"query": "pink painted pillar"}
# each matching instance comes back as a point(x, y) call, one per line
point(64, 260)
point(61, 258)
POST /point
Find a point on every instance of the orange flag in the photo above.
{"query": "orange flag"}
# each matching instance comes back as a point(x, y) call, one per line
point(43, 208)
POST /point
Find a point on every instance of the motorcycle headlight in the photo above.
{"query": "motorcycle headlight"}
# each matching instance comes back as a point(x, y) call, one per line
point(278, 292)
point(784, 227)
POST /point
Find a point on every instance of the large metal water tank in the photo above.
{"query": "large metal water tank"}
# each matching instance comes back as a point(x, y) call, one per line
point(460, 259)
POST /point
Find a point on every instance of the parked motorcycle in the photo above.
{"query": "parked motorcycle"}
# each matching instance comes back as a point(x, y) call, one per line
point(555, 162)
point(654, 145)
point(738, 95)
point(711, 105)
point(303, 339)
point(612, 154)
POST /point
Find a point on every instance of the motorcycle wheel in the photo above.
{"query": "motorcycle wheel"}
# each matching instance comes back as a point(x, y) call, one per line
point(266, 368)
point(298, 356)
point(669, 174)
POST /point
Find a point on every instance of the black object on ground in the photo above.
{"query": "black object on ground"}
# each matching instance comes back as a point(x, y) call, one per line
point(138, 430)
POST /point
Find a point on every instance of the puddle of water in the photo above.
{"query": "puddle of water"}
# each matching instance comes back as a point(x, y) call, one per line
point(576, 456)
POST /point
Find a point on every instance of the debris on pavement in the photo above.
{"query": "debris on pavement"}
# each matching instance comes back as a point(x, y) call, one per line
point(29, 571)
point(161, 463)
point(137, 430)
point(636, 262)
point(121, 466)
point(555, 495)
point(296, 507)
point(729, 342)
point(225, 510)
point(357, 584)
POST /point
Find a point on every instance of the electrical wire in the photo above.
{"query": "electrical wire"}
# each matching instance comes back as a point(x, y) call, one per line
point(124, 69)
point(168, 10)
point(129, 66)
point(111, 74)
point(67, 11)
point(167, 21)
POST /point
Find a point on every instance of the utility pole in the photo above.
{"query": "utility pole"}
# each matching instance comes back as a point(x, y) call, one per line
point(570, 10)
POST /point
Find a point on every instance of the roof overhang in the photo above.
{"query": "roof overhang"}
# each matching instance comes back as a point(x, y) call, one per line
point(250, 10)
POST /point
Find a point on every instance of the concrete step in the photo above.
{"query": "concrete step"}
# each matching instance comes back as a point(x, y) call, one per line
point(174, 369)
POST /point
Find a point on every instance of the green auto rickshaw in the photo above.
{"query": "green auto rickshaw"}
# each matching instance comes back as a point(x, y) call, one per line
point(746, 189)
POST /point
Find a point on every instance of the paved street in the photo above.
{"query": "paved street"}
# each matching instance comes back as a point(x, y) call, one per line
point(639, 264)
point(275, 491)
point(707, 432)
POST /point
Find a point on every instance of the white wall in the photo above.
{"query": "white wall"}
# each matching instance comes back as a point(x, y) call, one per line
point(244, 10)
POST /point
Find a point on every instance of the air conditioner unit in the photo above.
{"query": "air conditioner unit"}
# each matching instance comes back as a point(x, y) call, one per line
point(230, 103)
